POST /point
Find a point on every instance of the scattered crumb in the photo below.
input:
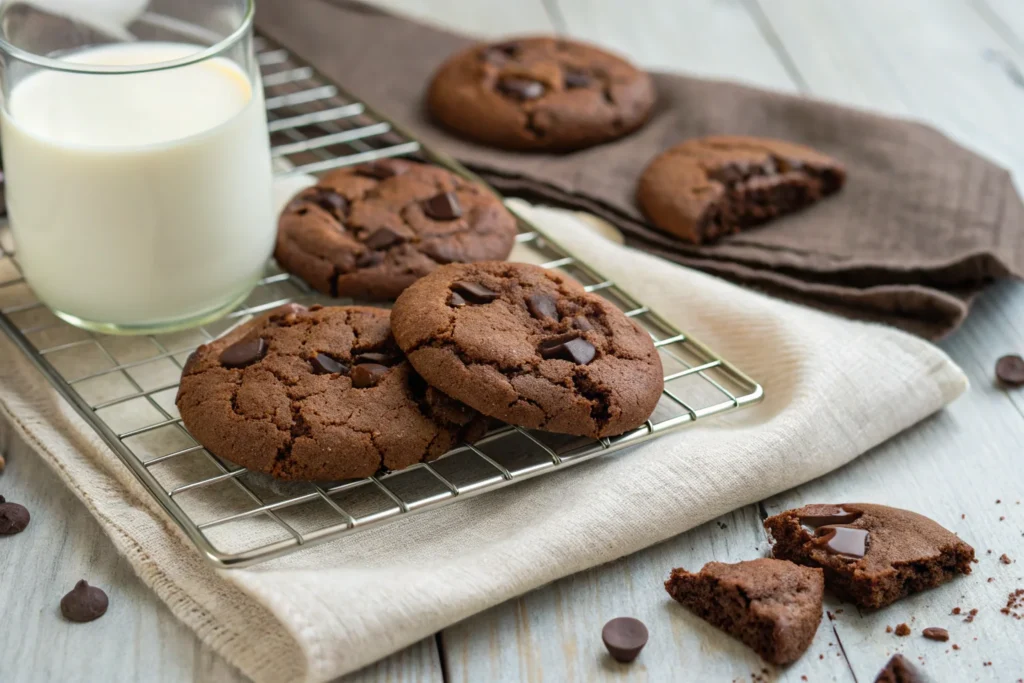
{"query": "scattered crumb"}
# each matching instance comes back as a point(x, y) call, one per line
point(988, 552)
point(986, 663)
point(970, 616)
point(830, 616)
point(990, 579)
point(956, 610)
point(821, 656)
point(722, 525)
point(902, 630)
point(963, 516)
point(1002, 519)
point(998, 501)
point(803, 678)
point(1015, 604)
point(955, 646)
point(1005, 559)
point(888, 629)
point(839, 611)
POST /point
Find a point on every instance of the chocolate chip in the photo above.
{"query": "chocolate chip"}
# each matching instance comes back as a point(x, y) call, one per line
point(936, 633)
point(474, 293)
point(840, 516)
point(542, 306)
point(570, 347)
point(842, 540)
point(369, 258)
point(325, 365)
point(624, 637)
point(378, 170)
point(331, 202)
point(13, 518)
point(243, 353)
point(367, 375)
point(456, 300)
point(84, 603)
point(1010, 370)
point(899, 670)
point(521, 88)
point(582, 324)
point(373, 357)
point(576, 79)
point(443, 207)
point(382, 238)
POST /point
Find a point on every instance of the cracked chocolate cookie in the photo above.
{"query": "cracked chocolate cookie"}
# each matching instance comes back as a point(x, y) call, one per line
point(369, 231)
point(540, 94)
point(317, 394)
point(872, 555)
point(708, 187)
point(530, 347)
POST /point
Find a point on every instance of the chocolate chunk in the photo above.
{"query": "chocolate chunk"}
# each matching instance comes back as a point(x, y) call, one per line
point(898, 670)
point(582, 324)
point(372, 357)
point(244, 353)
point(935, 633)
point(367, 375)
point(474, 293)
point(902, 630)
point(382, 238)
point(443, 207)
point(624, 637)
point(840, 516)
point(13, 518)
point(520, 88)
point(576, 79)
point(843, 540)
point(456, 300)
point(331, 202)
point(1010, 370)
point(325, 365)
point(542, 306)
point(378, 170)
point(84, 603)
point(369, 258)
point(576, 350)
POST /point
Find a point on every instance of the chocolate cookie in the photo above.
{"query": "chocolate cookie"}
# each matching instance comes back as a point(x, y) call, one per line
point(317, 394)
point(872, 555)
point(540, 94)
point(771, 605)
point(708, 187)
point(369, 231)
point(529, 346)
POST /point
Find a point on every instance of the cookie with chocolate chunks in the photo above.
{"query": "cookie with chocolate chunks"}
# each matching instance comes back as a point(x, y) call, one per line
point(872, 555)
point(317, 394)
point(530, 347)
point(706, 188)
point(368, 232)
point(540, 93)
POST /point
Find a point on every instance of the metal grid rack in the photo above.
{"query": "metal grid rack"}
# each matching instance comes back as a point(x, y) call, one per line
point(124, 387)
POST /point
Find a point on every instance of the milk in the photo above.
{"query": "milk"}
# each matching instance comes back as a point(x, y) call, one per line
point(139, 199)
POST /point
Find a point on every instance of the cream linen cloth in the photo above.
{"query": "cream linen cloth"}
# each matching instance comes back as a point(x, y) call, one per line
point(834, 389)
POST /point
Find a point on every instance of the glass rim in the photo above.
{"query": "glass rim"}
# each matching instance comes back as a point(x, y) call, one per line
point(75, 67)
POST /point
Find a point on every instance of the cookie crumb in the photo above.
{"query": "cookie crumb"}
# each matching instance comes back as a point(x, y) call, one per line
point(956, 610)
point(955, 646)
point(839, 611)
point(888, 629)
point(970, 616)
point(902, 630)
point(1002, 518)
point(998, 501)
point(990, 579)
point(1015, 604)
point(1005, 559)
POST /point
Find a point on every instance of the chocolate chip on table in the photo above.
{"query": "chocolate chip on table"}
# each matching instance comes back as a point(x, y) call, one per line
point(542, 306)
point(576, 79)
point(372, 357)
point(569, 346)
point(244, 353)
point(382, 238)
point(935, 633)
point(843, 540)
point(377, 170)
point(325, 365)
point(84, 603)
point(899, 670)
point(1010, 370)
point(367, 375)
point(521, 88)
point(624, 637)
point(474, 292)
point(442, 207)
point(13, 518)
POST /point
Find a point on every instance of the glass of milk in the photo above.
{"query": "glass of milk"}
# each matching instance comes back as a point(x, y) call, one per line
point(137, 159)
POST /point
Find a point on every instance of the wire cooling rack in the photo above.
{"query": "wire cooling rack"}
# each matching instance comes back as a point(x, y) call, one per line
point(124, 387)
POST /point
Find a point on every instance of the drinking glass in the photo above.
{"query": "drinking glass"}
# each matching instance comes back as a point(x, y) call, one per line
point(136, 157)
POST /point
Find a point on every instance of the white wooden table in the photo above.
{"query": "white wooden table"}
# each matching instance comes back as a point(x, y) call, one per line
point(958, 64)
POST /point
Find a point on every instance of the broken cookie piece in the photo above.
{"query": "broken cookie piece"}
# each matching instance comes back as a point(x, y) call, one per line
point(709, 187)
point(773, 606)
point(872, 555)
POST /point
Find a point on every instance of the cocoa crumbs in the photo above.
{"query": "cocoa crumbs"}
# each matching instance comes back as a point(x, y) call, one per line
point(1015, 604)
point(902, 630)
point(956, 610)
point(1005, 559)
point(970, 616)
point(955, 646)
point(888, 629)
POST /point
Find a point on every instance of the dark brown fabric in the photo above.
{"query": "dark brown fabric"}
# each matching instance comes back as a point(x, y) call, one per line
point(921, 226)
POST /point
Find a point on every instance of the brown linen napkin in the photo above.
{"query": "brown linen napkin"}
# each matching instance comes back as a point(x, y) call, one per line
point(921, 226)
